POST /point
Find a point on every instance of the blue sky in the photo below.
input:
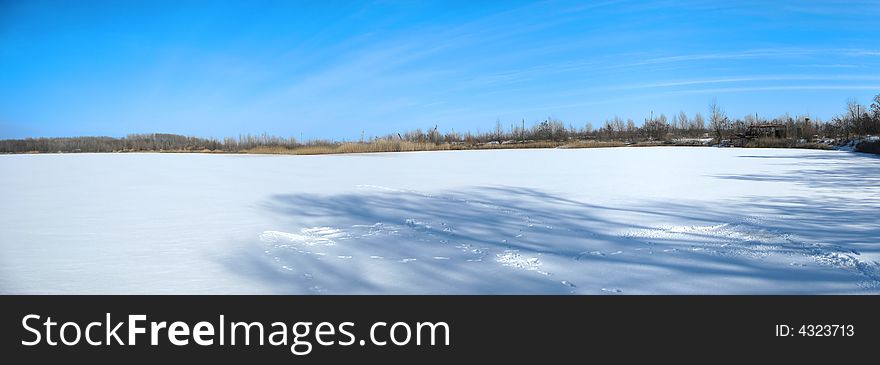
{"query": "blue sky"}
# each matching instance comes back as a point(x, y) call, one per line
point(331, 69)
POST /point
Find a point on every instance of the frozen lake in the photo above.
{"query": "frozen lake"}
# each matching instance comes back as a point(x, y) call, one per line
point(588, 221)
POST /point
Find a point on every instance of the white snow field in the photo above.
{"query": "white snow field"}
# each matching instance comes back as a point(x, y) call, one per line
point(553, 221)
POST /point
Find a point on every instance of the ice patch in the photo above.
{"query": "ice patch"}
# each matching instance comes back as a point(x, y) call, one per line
point(325, 236)
point(581, 255)
point(513, 258)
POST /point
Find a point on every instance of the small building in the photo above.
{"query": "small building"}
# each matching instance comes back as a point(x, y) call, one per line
point(772, 130)
point(756, 131)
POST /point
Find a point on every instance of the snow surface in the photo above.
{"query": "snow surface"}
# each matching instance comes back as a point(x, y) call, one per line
point(557, 221)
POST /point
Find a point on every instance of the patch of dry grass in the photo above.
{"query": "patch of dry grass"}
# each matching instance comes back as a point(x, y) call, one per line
point(785, 143)
point(351, 147)
point(504, 146)
point(407, 146)
point(594, 144)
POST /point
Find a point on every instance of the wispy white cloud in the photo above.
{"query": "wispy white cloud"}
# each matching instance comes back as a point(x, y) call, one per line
point(840, 7)
point(756, 54)
point(838, 65)
point(712, 91)
point(754, 79)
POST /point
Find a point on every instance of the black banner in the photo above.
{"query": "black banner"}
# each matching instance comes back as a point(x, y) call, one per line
point(461, 328)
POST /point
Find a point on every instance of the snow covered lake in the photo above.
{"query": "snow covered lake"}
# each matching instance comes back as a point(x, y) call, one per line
point(586, 221)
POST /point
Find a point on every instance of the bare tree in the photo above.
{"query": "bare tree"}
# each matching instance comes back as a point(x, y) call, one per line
point(875, 115)
point(683, 122)
point(631, 129)
point(718, 119)
point(699, 123)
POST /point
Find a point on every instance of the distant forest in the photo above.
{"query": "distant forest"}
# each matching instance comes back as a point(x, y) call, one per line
point(681, 129)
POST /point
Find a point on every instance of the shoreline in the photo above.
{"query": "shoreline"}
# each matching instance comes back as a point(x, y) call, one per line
point(442, 148)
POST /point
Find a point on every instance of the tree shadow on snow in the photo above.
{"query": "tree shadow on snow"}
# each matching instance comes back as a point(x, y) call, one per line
point(515, 240)
point(844, 170)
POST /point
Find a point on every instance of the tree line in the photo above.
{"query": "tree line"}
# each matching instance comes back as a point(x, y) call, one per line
point(143, 143)
point(716, 127)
